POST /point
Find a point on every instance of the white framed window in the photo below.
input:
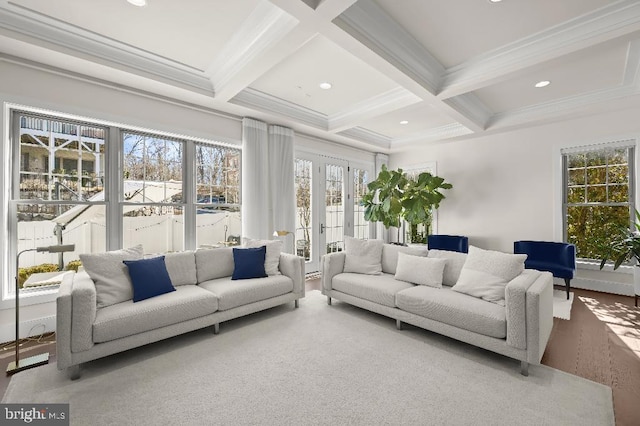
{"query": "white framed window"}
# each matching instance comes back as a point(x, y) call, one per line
point(598, 195)
point(103, 186)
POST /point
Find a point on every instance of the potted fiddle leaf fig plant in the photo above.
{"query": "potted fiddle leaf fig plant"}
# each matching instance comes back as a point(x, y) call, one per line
point(392, 196)
point(624, 248)
point(421, 196)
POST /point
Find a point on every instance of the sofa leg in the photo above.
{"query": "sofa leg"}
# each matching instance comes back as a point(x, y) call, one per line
point(399, 324)
point(329, 300)
point(216, 328)
point(73, 372)
point(524, 368)
point(296, 304)
point(567, 283)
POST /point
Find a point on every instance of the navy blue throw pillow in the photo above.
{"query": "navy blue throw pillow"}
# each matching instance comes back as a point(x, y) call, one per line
point(149, 278)
point(248, 263)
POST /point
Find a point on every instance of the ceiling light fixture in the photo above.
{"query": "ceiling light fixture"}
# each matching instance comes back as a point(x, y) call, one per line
point(404, 122)
point(138, 3)
point(543, 83)
point(495, 1)
point(325, 86)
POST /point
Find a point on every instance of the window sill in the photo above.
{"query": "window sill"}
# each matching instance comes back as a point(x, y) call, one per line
point(28, 299)
point(595, 266)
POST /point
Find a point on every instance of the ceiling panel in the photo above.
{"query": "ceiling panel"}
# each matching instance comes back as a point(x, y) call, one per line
point(191, 32)
point(584, 71)
point(421, 117)
point(297, 78)
point(455, 31)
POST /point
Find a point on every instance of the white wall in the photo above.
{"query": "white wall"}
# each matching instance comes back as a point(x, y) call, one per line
point(506, 187)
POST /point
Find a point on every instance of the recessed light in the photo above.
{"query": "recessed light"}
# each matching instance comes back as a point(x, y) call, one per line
point(138, 3)
point(542, 83)
point(325, 86)
point(404, 122)
point(495, 1)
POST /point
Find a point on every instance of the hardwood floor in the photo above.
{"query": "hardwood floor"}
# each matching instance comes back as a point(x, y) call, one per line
point(601, 342)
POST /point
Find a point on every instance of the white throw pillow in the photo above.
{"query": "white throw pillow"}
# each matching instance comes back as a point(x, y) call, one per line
point(363, 256)
point(110, 275)
point(420, 270)
point(455, 262)
point(390, 255)
point(486, 273)
point(272, 258)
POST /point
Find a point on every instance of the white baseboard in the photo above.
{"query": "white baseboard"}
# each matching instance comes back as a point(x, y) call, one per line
point(29, 328)
point(613, 287)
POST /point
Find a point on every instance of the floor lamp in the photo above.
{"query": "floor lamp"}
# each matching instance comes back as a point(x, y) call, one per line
point(36, 360)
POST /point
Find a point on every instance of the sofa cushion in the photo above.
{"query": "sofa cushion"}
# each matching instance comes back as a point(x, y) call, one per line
point(455, 262)
point(390, 256)
point(379, 289)
point(128, 318)
point(486, 273)
point(272, 257)
point(420, 270)
point(214, 263)
point(181, 267)
point(456, 309)
point(232, 294)
point(110, 275)
point(363, 256)
point(149, 278)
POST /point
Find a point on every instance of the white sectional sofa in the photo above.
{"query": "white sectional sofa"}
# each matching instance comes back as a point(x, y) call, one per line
point(518, 326)
point(204, 295)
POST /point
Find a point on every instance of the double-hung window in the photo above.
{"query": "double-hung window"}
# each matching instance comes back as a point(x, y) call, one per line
point(598, 195)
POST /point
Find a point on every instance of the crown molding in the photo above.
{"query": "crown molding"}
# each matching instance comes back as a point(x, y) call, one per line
point(447, 131)
point(255, 99)
point(367, 22)
point(367, 136)
point(263, 28)
point(614, 20)
point(48, 32)
point(559, 107)
point(380, 104)
point(632, 66)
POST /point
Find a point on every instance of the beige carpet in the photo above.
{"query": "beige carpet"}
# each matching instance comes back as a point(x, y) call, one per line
point(317, 364)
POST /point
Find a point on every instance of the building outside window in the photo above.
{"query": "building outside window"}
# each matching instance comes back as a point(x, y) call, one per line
point(598, 195)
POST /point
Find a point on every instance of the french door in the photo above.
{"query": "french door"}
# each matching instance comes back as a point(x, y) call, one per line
point(328, 192)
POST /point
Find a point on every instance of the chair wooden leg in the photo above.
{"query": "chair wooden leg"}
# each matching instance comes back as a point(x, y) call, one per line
point(567, 282)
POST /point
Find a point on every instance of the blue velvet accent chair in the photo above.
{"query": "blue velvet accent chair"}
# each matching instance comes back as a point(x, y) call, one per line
point(554, 257)
point(448, 242)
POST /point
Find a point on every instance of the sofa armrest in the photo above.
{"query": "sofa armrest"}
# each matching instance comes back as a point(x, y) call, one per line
point(516, 308)
point(331, 265)
point(293, 267)
point(539, 316)
point(63, 322)
point(83, 312)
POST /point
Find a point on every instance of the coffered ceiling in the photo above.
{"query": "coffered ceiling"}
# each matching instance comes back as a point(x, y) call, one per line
point(401, 72)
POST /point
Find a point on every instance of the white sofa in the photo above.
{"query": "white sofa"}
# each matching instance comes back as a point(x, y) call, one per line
point(205, 296)
point(520, 329)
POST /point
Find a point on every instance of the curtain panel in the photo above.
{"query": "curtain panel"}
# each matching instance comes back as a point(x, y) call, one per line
point(268, 191)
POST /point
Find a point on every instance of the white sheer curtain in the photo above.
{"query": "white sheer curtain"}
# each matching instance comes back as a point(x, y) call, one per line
point(268, 192)
point(281, 168)
point(256, 221)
